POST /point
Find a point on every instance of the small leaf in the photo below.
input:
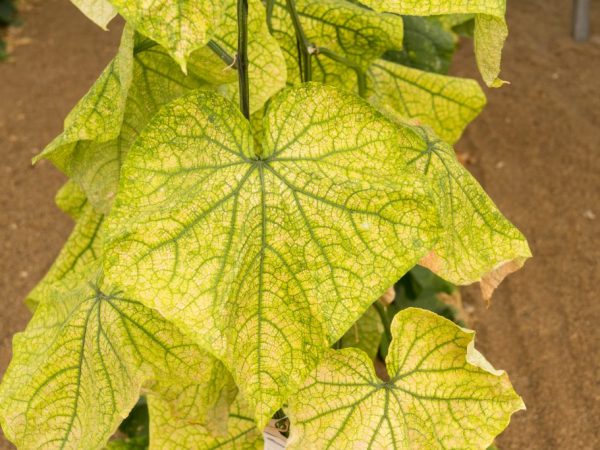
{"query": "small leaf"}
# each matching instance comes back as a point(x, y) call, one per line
point(174, 428)
point(479, 244)
point(365, 333)
point(180, 26)
point(293, 232)
point(98, 11)
point(78, 368)
point(446, 104)
point(490, 26)
point(441, 394)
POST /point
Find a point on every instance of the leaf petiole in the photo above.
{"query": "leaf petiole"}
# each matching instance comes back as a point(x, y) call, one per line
point(361, 78)
point(242, 57)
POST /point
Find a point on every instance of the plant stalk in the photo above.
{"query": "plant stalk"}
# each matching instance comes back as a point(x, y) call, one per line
point(305, 48)
point(242, 57)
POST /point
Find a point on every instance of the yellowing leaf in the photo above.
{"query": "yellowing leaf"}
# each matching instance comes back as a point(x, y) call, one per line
point(98, 11)
point(365, 333)
point(478, 243)
point(79, 366)
point(267, 248)
point(441, 394)
point(446, 104)
point(176, 428)
point(99, 114)
point(180, 26)
point(490, 26)
point(354, 33)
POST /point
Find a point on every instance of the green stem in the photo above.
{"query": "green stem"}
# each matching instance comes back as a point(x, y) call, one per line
point(305, 48)
point(242, 56)
point(222, 53)
point(270, 6)
point(385, 319)
point(360, 74)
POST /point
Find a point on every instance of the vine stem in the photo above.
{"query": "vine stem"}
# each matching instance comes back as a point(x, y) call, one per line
point(305, 48)
point(242, 57)
point(360, 75)
point(385, 319)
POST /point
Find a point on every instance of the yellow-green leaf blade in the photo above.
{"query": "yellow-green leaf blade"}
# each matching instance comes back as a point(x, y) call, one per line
point(82, 248)
point(98, 11)
point(490, 26)
point(180, 26)
point(446, 104)
point(441, 393)
point(175, 428)
point(478, 242)
point(305, 232)
point(79, 366)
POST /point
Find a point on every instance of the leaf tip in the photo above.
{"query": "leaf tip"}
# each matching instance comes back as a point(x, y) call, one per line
point(491, 280)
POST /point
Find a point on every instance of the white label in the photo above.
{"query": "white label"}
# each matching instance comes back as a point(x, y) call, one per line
point(274, 440)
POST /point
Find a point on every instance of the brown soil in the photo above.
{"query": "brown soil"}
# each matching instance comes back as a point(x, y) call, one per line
point(535, 149)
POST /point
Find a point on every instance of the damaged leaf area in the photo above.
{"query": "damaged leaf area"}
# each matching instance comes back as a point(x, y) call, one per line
point(441, 393)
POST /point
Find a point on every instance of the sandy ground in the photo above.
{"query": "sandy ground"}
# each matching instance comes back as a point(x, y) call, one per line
point(536, 149)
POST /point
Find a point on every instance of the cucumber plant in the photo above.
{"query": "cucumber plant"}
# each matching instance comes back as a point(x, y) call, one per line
point(247, 180)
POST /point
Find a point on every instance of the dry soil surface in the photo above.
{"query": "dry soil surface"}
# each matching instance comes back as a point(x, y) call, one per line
point(536, 149)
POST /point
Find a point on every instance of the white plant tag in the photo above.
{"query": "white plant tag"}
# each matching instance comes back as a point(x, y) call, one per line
point(274, 440)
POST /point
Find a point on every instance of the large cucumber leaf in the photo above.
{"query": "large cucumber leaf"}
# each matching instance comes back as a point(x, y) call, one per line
point(310, 221)
point(292, 233)
point(441, 394)
point(446, 104)
point(78, 368)
point(490, 26)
